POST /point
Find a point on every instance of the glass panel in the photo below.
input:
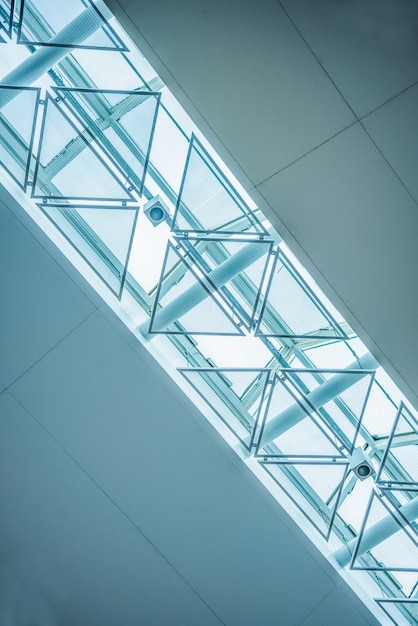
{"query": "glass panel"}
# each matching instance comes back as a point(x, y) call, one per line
point(400, 611)
point(103, 237)
point(236, 396)
point(187, 303)
point(291, 428)
point(241, 292)
point(75, 23)
point(68, 165)
point(122, 122)
point(291, 309)
point(401, 451)
point(387, 540)
point(315, 488)
point(18, 110)
point(207, 201)
point(6, 17)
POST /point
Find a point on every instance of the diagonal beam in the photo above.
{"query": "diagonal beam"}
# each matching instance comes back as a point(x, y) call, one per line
point(38, 63)
point(317, 398)
point(378, 533)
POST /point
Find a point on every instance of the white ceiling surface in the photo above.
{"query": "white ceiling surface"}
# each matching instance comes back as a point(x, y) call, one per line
point(313, 105)
point(120, 504)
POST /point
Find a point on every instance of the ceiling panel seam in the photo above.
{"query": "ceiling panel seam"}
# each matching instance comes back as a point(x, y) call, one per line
point(400, 93)
point(388, 163)
point(323, 143)
point(318, 61)
point(63, 338)
point(116, 505)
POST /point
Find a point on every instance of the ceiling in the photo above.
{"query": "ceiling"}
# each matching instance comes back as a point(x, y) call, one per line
point(120, 504)
point(313, 105)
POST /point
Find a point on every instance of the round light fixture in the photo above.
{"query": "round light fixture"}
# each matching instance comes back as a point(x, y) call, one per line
point(361, 464)
point(156, 210)
point(156, 214)
point(363, 471)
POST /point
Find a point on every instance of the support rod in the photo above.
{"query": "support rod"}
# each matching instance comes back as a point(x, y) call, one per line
point(378, 533)
point(317, 398)
point(219, 276)
point(38, 63)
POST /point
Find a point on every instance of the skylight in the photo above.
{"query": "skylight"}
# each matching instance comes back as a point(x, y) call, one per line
point(89, 135)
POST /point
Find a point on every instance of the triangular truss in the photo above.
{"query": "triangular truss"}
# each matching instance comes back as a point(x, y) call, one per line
point(208, 202)
point(186, 302)
point(69, 25)
point(235, 395)
point(342, 409)
point(69, 165)
point(401, 453)
point(122, 122)
point(394, 607)
point(299, 423)
point(300, 432)
point(388, 539)
point(241, 291)
point(102, 235)
point(18, 112)
point(314, 487)
point(291, 309)
point(6, 18)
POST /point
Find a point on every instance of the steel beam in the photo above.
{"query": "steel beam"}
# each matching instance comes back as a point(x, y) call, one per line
point(378, 533)
point(317, 398)
point(218, 277)
point(38, 63)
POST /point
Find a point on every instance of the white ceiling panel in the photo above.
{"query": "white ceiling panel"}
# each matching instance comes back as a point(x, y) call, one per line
point(250, 76)
point(69, 556)
point(43, 303)
point(394, 128)
point(357, 224)
point(147, 450)
point(368, 48)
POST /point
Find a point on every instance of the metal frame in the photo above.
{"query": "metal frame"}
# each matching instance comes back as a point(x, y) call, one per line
point(310, 414)
point(29, 147)
point(406, 414)
point(119, 161)
point(403, 524)
point(189, 267)
point(340, 334)
point(111, 34)
point(8, 30)
point(126, 198)
point(256, 240)
point(108, 260)
point(401, 601)
point(288, 375)
point(249, 445)
point(282, 466)
point(195, 144)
